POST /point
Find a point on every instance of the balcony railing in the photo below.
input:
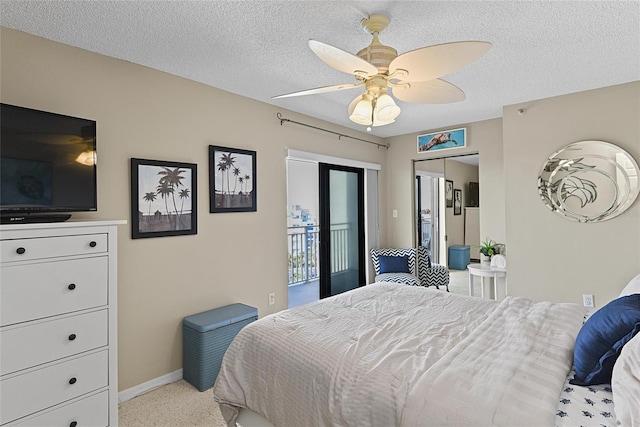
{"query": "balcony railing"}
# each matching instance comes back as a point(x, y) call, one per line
point(340, 260)
point(304, 251)
point(304, 261)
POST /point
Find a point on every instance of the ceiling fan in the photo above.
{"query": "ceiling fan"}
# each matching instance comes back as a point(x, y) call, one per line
point(412, 76)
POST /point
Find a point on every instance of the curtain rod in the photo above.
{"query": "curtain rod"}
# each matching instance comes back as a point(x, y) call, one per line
point(340, 135)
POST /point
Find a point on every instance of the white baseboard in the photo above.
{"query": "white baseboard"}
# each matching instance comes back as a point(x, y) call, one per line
point(132, 392)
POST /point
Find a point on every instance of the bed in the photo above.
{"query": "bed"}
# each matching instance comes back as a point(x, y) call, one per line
point(390, 354)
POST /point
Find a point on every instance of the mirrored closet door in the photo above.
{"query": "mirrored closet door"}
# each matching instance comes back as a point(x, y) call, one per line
point(447, 209)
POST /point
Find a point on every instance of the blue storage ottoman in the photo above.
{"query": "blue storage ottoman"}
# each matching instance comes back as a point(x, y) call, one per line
point(459, 257)
point(206, 337)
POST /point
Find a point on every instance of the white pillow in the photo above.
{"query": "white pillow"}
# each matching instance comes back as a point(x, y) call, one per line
point(625, 384)
point(633, 287)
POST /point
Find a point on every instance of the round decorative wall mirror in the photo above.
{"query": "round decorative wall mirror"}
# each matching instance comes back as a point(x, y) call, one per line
point(589, 181)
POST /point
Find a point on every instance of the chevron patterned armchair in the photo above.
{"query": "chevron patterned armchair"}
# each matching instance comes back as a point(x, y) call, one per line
point(410, 266)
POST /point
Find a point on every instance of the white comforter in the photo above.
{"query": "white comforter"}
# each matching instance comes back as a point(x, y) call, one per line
point(390, 354)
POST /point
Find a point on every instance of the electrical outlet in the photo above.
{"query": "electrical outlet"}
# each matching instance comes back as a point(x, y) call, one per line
point(587, 300)
point(272, 298)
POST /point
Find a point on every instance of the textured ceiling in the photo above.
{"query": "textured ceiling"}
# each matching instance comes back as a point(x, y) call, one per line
point(258, 49)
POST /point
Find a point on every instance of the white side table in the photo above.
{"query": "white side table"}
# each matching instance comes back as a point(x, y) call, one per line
point(482, 271)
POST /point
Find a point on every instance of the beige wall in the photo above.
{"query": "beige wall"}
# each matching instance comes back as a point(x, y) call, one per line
point(551, 257)
point(492, 179)
point(235, 257)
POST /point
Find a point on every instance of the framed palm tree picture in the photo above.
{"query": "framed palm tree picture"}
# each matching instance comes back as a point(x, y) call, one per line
point(232, 180)
point(163, 198)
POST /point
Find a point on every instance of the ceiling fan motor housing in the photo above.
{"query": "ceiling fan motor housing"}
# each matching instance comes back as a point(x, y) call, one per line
point(376, 53)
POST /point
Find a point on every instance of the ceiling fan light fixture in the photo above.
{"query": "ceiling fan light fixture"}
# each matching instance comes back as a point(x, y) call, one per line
point(386, 109)
point(377, 122)
point(381, 121)
point(363, 110)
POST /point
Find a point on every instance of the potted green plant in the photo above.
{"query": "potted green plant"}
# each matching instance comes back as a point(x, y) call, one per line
point(487, 250)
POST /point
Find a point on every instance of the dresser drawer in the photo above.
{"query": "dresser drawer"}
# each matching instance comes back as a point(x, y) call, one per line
point(49, 247)
point(92, 411)
point(31, 392)
point(34, 291)
point(34, 344)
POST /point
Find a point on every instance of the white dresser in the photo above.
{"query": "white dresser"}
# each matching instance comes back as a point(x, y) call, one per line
point(58, 324)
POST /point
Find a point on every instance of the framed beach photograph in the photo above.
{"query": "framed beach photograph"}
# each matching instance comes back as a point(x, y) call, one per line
point(448, 193)
point(232, 180)
point(163, 198)
point(457, 202)
point(454, 138)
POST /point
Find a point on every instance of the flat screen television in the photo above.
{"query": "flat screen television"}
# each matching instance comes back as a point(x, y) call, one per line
point(47, 165)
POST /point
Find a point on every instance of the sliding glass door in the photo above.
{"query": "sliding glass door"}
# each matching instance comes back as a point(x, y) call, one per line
point(342, 231)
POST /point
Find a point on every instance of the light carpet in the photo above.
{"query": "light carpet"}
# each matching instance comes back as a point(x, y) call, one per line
point(181, 404)
point(172, 405)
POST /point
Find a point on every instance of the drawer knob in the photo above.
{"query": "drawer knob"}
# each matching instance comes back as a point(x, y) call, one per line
point(72, 381)
point(72, 286)
point(93, 244)
point(73, 424)
point(20, 251)
point(72, 337)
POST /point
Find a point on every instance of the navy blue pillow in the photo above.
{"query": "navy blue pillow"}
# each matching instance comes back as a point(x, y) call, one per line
point(394, 264)
point(601, 339)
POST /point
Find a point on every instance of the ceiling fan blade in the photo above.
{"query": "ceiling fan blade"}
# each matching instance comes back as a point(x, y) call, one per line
point(431, 62)
point(432, 92)
point(341, 60)
point(323, 89)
